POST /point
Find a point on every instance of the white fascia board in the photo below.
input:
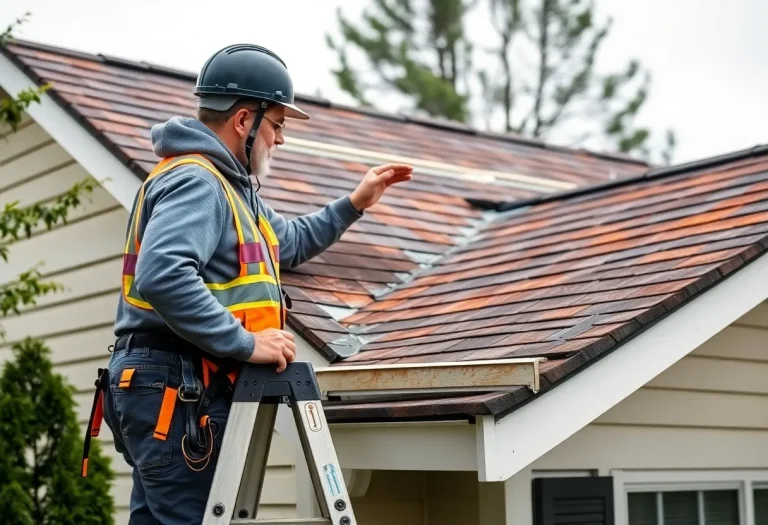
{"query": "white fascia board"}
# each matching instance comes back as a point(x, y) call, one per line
point(418, 445)
point(97, 160)
point(510, 444)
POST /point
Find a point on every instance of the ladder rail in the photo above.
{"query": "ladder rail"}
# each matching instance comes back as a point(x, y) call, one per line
point(324, 468)
point(252, 482)
point(240, 471)
point(230, 464)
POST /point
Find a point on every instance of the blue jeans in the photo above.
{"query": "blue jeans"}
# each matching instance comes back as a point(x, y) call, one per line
point(165, 489)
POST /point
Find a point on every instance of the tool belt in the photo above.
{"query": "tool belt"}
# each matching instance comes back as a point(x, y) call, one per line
point(204, 379)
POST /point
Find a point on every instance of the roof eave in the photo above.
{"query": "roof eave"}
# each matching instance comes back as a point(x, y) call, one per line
point(510, 441)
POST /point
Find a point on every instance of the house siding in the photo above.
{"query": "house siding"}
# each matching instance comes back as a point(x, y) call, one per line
point(85, 256)
point(419, 498)
point(709, 410)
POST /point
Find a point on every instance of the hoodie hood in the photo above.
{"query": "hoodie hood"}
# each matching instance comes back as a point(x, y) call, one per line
point(183, 136)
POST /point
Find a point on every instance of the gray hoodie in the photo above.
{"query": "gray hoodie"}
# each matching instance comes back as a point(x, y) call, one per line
point(190, 238)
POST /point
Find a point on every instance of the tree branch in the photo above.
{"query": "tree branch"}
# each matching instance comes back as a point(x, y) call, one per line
point(14, 220)
point(24, 292)
point(546, 12)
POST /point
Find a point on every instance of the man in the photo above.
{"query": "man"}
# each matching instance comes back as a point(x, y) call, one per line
point(201, 280)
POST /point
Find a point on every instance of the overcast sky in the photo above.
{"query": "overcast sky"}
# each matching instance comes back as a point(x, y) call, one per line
point(708, 58)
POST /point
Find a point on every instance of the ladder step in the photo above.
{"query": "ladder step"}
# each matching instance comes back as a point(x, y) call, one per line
point(284, 521)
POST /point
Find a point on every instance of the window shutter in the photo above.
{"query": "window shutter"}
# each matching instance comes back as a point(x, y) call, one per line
point(573, 501)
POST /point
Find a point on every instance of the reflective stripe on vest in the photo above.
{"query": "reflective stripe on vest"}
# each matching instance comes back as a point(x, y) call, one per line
point(254, 296)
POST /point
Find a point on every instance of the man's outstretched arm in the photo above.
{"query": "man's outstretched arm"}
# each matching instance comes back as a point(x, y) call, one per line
point(307, 236)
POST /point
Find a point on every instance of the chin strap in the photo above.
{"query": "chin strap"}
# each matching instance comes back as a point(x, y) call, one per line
point(252, 135)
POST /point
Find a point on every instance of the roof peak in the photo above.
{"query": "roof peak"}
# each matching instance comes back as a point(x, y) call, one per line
point(432, 122)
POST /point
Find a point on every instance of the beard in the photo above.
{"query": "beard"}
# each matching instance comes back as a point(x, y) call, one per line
point(260, 159)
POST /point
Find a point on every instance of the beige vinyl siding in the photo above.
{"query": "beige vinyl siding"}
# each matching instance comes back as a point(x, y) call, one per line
point(709, 410)
point(85, 257)
point(419, 498)
point(392, 497)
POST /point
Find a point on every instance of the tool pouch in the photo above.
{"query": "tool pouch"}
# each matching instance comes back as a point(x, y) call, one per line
point(197, 395)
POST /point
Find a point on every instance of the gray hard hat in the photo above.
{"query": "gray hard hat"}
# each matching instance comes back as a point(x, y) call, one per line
point(246, 71)
point(251, 72)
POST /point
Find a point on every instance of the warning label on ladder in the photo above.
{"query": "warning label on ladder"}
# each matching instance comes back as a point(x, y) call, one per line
point(313, 418)
point(333, 480)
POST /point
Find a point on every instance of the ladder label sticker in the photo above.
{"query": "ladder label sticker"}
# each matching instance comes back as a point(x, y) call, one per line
point(332, 478)
point(313, 417)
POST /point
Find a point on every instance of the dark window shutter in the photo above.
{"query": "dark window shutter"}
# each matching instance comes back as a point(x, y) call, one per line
point(573, 501)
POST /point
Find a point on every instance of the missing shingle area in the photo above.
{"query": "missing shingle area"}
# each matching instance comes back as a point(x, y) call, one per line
point(337, 313)
point(577, 329)
point(422, 258)
point(347, 345)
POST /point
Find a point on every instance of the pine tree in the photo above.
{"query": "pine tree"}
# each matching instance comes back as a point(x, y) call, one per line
point(40, 440)
point(538, 79)
point(421, 54)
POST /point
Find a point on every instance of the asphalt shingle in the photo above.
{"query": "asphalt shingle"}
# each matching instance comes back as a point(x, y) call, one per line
point(575, 274)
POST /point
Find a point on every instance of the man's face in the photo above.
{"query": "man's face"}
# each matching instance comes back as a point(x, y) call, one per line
point(269, 135)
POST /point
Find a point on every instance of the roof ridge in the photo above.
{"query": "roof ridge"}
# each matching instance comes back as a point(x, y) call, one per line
point(426, 121)
point(650, 174)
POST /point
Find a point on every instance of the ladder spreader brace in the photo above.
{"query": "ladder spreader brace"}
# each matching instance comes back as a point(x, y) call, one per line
point(239, 478)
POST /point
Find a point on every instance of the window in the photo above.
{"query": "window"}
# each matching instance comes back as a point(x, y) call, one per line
point(737, 497)
point(684, 507)
point(760, 498)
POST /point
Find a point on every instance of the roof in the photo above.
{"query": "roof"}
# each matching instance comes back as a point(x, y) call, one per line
point(555, 277)
point(568, 265)
point(573, 278)
point(324, 158)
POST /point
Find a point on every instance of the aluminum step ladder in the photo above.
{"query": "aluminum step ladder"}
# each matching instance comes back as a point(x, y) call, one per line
point(242, 464)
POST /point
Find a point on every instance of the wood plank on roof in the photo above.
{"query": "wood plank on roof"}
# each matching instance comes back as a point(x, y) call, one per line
point(469, 376)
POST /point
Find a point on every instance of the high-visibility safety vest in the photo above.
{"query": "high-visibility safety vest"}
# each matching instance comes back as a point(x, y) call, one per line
point(254, 296)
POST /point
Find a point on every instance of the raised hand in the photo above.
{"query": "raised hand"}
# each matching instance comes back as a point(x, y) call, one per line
point(375, 183)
